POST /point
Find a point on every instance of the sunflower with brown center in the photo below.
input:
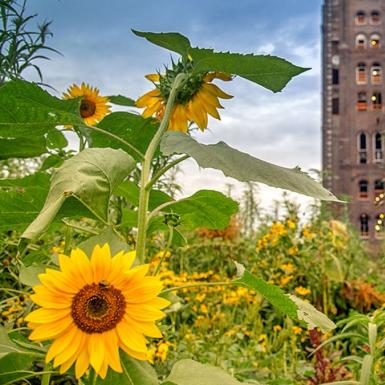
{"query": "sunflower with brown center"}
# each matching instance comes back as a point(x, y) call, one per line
point(93, 107)
point(93, 307)
point(197, 98)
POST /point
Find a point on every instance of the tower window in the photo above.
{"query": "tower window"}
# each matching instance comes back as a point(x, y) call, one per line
point(361, 73)
point(362, 149)
point(335, 106)
point(375, 41)
point(361, 41)
point(362, 104)
point(364, 225)
point(363, 189)
point(378, 155)
point(376, 73)
point(335, 76)
point(375, 17)
point(360, 18)
point(376, 99)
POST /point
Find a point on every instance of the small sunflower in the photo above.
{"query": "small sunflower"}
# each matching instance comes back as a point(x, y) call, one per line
point(93, 107)
point(93, 307)
point(197, 99)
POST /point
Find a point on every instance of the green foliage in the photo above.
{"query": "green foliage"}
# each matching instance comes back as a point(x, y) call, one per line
point(189, 372)
point(121, 100)
point(132, 128)
point(270, 72)
point(90, 178)
point(134, 373)
point(242, 166)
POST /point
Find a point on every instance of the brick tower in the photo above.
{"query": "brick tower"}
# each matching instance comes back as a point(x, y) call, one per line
point(353, 112)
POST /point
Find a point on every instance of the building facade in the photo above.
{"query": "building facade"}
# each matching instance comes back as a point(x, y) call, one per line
point(353, 109)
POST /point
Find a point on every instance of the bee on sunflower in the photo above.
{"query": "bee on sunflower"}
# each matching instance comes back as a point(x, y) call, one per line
point(93, 307)
point(93, 107)
point(197, 98)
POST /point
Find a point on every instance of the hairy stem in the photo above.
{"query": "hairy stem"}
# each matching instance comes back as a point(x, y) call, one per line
point(146, 171)
point(175, 288)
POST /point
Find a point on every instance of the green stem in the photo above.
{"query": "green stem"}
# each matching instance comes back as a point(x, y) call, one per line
point(157, 210)
point(175, 288)
point(163, 170)
point(116, 137)
point(45, 378)
point(67, 240)
point(165, 251)
point(146, 171)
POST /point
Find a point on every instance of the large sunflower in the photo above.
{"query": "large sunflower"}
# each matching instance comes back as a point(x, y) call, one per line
point(93, 107)
point(197, 99)
point(93, 307)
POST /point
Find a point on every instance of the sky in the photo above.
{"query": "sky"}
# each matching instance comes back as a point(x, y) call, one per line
point(99, 48)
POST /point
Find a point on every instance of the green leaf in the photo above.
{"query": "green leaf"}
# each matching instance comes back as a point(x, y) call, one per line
point(268, 71)
point(107, 236)
point(242, 166)
point(172, 41)
point(51, 161)
point(271, 72)
point(22, 147)
point(132, 128)
point(289, 305)
point(134, 373)
point(56, 139)
point(205, 208)
point(130, 191)
point(121, 100)
point(366, 370)
point(28, 111)
point(14, 367)
point(21, 200)
point(7, 345)
point(311, 316)
point(29, 275)
point(273, 294)
point(189, 372)
point(90, 178)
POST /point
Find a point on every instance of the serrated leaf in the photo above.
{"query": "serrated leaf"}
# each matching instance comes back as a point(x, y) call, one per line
point(205, 208)
point(311, 316)
point(242, 166)
point(189, 372)
point(121, 100)
point(26, 110)
point(132, 128)
point(289, 305)
point(107, 236)
point(271, 72)
point(273, 294)
point(172, 41)
point(90, 178)
point(135, 372)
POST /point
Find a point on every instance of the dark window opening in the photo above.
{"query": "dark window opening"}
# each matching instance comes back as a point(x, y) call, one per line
point(376, 73)
point(363, 155)
point(362, 104)
point(363, 186)
point(378, 155)
point(361, 73)
point(335, 76)
point(335, 106)
point(375, 17)
point(364, 225)
point(360, 18)
point(376, 100)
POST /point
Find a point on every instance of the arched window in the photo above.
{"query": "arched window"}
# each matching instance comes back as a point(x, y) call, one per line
point(375, 40)
point(361, 73)
point(378, 155)
point(364, 225)
point(363, 189)
point(362, 103)
point(362, 149)
point(379, 227)
point(375, 17)
point(376, 73)
point(376, 99)
point(360, 18)
point(361, 41)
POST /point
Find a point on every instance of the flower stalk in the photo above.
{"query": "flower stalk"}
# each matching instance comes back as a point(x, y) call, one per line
point(146, 171)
